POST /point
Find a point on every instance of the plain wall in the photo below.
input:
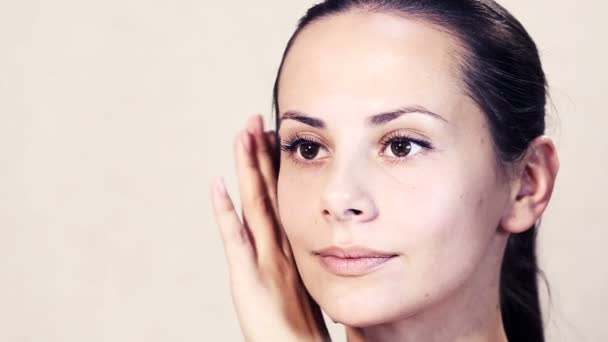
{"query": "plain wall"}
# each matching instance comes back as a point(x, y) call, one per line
point(115, 115)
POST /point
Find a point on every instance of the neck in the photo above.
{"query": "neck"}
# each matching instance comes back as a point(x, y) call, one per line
point(470, 314)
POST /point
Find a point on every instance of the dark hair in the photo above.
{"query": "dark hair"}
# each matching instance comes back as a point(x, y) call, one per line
point(502, 73)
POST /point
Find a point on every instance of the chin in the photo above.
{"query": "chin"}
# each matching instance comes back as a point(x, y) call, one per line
point(361, 318)
point(357, 320)
point(373, 299)
point(361, 310)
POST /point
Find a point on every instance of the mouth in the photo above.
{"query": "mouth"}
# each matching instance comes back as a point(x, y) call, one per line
point(353, 261)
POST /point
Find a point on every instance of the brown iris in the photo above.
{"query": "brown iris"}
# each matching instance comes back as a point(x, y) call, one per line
point(309, 150)
point(401, 148)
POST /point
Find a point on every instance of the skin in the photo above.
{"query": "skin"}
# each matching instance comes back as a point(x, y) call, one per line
point(440, 209)
point(446, 211)
point(265, 286)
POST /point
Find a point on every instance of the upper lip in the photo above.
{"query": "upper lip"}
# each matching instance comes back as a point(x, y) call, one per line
point(353, 252)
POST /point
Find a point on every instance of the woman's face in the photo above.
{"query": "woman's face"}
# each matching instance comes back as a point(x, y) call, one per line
point(395, 158)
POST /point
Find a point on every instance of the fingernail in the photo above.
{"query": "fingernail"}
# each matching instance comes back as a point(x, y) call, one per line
point(246, 141)
point(252, 124)
point(256, 125)
point(220, 187)
point(259, 124)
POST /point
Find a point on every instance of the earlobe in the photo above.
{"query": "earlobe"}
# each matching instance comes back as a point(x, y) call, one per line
point(532, 186)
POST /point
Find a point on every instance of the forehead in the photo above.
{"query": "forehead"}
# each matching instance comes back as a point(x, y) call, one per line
point(362, 62)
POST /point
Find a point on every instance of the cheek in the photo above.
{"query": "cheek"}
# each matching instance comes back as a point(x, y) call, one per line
point(439, 209)
point(298, 199)
point(447, 218)
point(440, 216)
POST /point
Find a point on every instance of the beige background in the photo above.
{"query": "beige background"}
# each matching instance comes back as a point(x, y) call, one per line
point(115, 115)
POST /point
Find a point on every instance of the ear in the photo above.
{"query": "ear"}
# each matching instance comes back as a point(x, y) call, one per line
point(531, 186)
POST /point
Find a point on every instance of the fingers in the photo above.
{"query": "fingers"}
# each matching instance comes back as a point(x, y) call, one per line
point(271, 138)
point(268, 161)
point(258, 209)
point(264, 151)
point(237, 243)
point(275, 152)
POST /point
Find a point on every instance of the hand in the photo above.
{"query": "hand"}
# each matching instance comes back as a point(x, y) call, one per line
point(270, 299)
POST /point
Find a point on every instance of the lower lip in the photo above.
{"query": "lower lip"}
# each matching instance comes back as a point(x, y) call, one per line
point(353, 266)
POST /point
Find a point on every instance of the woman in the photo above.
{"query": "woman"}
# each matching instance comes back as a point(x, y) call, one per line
point(413, 172)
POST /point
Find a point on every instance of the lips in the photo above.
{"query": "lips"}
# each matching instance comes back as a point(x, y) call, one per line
point(353, 261)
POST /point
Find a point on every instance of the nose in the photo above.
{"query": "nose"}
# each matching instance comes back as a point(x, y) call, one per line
point(346, 200)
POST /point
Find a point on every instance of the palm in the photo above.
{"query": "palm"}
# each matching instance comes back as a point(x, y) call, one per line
point(271, 300)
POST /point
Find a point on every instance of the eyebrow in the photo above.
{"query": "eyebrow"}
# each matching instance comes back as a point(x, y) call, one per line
point(374, 120)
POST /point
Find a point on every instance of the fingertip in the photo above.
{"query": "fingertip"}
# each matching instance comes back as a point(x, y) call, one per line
point(221, 199)
point(271, 139)
point(219, 186)
point(255, 124)
point(259, 123)
point(270, 134)
point(247, 142)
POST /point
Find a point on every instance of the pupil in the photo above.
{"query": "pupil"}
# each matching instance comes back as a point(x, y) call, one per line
point(401, 148)
point(308, 150)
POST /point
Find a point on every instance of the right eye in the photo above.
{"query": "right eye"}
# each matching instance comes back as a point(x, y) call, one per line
point(308, 150)
point(302, 148)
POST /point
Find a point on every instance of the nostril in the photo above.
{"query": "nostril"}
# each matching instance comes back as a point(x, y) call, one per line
point(355, 211)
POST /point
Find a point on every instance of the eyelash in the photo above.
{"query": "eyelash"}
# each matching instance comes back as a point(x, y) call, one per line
point(293, 141)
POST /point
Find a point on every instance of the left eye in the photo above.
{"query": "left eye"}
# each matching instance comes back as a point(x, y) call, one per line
point(400, 148)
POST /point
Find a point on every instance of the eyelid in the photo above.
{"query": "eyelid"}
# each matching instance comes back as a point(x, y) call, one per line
point(296, 138)
point(401, 135)
point(424, 146)
point(291, 143)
